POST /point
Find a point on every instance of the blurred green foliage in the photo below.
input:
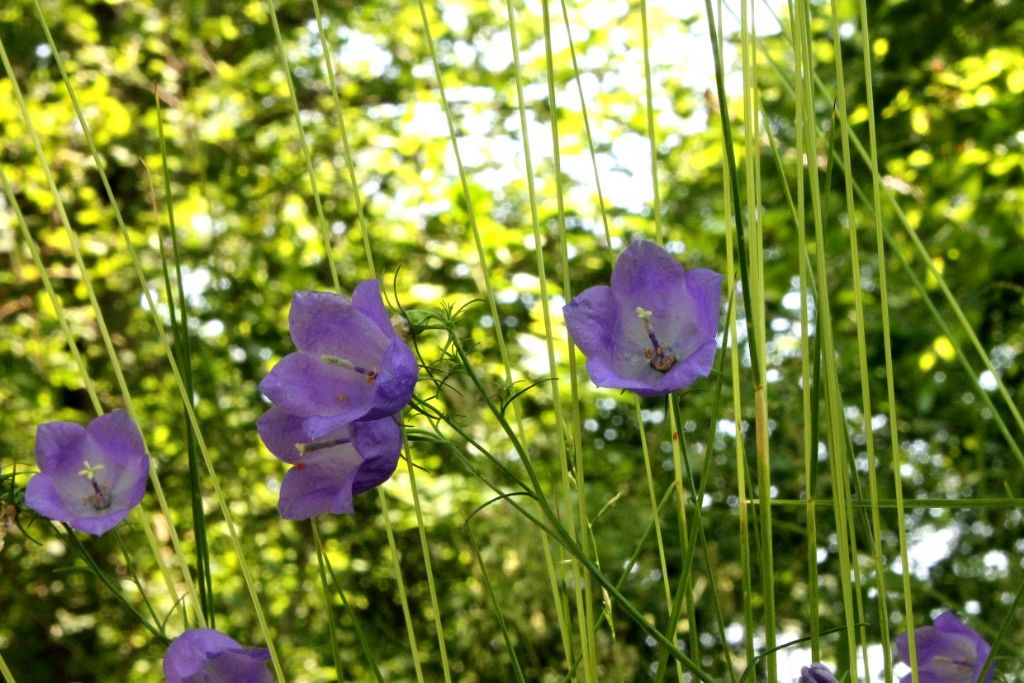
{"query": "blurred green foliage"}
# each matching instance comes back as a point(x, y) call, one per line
point(949, 87)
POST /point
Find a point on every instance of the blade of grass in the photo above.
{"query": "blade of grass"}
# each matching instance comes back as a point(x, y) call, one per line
point(425, 548)
point(757, 368)
point(586, 126)
point(322, 573)
point(584, 589)
point(364, 645)
point(517, 670)
point(8, 676)
point(346, 147)
point(862, 351)
point(581, 601)
point(307, 155)
point(183, 345)
point(651, 136)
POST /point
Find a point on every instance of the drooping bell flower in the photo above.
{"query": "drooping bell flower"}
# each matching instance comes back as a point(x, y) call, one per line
point(89, 477)
point(351, 364)
point(817, 673)
point(653, 330)
point(949, 651)
point(329, 470)
point(203, 655)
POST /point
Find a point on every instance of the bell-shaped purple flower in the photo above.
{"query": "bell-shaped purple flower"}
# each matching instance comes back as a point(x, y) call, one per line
point(949, 651)
point(653, 331)
point(89, 477)
point(203, 655)
point(817, 673)
point(351, 365)
point(329, 469)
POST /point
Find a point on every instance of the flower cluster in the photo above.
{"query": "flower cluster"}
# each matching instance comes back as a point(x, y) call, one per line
point(335, 400)
point(653, 330)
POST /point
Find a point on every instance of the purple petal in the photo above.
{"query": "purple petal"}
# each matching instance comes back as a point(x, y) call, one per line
point(604, 376)
point(645, 270)
point(647, 276)
point(322, 323)
point(395, 381)
point(367, 300)
point(379, 443)
point(57, 443)
point(817, 673)
point(320, 483)
point(950, 623)
point(97, 526)
point(592, 319)
point(239, 666)
point(117, 437)
point(305, 386)
point(280, 431)
point(705, 292)
point(43, 497)
point(687, 371)
point(948, 652)
point(208, 655)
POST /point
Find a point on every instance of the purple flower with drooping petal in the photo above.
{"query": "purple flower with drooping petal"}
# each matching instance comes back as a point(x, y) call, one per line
point(351, 365)
point(89, 477)
point(329, 469)
point(949, 651)
point(817, 673)
point(653, 330)
point(203, 655)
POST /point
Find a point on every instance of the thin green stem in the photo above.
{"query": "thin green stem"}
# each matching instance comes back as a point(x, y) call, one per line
point(8, 676)
point(327, 601)
point(343, 129)
point(396, 568)
point(94, 568)
point(425, 548)
point(307, 155)
point(363, 644)
point(651, 135)
point(494, 602)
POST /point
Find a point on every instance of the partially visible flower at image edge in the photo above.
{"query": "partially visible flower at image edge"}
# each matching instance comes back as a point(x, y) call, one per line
point(817, 673)
point(653, 330)
point(327, 474)
point(949, 651)
point(90, 477)
point(351, 364)
point(203, 655)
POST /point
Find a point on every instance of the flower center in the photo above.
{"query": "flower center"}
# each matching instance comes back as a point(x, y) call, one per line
point(370, 374)
point(304, 448)
point(100, 497)
point(660, 357)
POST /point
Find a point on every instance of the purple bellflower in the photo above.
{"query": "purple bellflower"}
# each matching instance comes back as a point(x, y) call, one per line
point(329, 470)
point(90, 477)
point(203, 655)
point(653, 330)
point(351, 364)
point(817, 673)
point(949, 651)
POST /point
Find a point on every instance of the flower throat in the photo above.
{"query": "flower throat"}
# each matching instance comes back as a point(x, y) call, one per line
point(660, 357)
